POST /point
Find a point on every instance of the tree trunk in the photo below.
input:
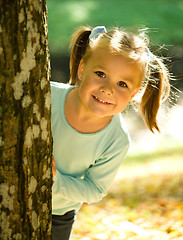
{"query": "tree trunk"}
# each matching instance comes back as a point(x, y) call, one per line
point(25, 128)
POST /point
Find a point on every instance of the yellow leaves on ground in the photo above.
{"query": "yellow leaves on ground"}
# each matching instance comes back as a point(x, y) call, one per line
point(144, 203)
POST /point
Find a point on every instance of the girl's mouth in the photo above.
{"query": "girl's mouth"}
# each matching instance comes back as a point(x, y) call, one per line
point(100, 100)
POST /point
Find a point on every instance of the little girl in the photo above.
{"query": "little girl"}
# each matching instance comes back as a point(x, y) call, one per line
point(90, 139)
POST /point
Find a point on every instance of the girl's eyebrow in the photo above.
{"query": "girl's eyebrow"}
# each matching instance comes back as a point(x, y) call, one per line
point(99, 66)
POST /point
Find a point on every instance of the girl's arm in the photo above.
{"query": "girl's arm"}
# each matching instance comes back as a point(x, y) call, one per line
point(93, 187)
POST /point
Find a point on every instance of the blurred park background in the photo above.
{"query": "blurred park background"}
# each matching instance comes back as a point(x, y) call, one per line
point(146, 199)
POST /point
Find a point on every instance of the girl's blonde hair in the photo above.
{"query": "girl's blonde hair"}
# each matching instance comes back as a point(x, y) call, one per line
point(155, 83)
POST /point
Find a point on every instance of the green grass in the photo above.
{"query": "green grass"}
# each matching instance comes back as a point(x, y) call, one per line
point(146, 157)
point(163, 17)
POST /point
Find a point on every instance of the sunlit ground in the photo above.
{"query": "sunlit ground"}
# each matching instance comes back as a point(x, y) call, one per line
point(145, 202)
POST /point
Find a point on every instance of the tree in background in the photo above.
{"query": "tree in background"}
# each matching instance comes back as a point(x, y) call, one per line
point(25, 129)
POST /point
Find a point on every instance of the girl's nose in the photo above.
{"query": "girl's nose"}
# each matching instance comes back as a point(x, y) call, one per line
point(107, 89)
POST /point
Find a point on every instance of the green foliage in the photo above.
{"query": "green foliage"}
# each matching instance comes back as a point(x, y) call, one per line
point(164, 18)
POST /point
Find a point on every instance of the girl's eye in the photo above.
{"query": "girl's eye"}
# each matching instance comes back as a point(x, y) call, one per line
point(100, 74)
point(122, 84)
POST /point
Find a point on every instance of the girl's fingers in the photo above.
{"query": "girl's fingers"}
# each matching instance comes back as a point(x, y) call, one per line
point(53, 161)
point(53, 171)
point(53, 166)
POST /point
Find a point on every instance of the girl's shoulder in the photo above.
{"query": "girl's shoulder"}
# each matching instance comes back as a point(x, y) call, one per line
point(59, 85)
point(121, 122)
point(59, 89)
point(120, 129)
point(58, 94)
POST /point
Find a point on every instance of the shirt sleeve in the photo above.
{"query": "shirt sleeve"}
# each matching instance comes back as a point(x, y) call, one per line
point(98, 178)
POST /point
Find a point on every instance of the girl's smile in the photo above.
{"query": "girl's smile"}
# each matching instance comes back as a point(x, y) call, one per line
point(102, 101)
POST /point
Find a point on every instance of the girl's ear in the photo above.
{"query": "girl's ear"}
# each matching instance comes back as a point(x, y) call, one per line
point(81, 70)
point(134, 93)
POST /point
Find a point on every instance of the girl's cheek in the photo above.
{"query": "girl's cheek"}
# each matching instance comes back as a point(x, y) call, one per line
point(121, 94)
point(124, 97)
point(125, 93)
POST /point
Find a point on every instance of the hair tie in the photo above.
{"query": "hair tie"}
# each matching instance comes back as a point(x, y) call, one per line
point(149, 54)
point(96, 32)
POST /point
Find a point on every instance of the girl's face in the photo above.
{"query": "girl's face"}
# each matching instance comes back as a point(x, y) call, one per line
point(107, 83)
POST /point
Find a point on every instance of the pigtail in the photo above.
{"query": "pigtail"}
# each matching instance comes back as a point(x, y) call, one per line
point(157, 90)
point(79, 43)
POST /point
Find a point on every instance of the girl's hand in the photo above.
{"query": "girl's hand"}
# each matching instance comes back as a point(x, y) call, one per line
point(53, 167)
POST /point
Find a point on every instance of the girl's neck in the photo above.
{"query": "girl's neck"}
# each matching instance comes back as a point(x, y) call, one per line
point(79, 118)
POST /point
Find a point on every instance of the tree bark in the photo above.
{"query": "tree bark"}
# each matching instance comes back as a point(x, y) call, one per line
point(25, 128)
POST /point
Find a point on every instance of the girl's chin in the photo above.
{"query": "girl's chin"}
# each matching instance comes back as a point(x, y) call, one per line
point(101, 114)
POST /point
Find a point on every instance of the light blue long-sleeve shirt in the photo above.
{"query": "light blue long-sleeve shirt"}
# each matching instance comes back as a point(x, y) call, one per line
point(86, 164)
